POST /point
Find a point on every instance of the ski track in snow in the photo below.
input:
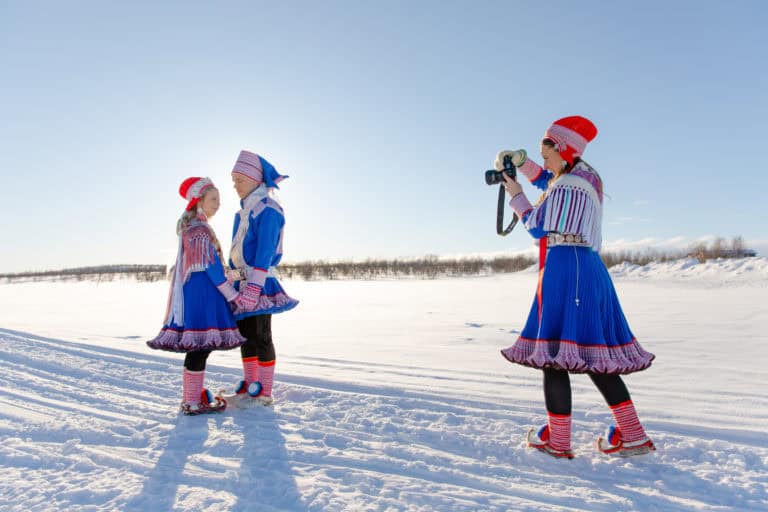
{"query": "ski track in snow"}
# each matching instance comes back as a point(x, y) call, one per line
point(88, 428)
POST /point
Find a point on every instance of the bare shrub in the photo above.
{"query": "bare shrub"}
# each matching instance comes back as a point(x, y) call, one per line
point(720, 248)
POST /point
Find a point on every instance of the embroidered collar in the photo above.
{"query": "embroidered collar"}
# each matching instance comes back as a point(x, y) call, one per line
point(196, 222)
point(256, 195)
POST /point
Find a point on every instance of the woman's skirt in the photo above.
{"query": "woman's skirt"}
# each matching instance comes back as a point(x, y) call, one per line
point(576, 322)
point(208, 321)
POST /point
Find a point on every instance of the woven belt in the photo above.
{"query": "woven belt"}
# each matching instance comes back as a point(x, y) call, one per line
point(241, 274)
point(577, 240)
point(237, 274)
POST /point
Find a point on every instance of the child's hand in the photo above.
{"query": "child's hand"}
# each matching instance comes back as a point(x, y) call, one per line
point(248, 299)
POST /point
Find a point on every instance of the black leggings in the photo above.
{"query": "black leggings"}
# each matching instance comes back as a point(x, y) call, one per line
point(258, 331)
point(557, 389)
point(195, 361)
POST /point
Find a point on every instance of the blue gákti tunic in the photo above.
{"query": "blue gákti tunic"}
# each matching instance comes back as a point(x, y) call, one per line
point(199, 316)
point(257, 248)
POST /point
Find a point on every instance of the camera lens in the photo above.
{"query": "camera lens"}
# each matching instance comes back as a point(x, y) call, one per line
point(492, 177)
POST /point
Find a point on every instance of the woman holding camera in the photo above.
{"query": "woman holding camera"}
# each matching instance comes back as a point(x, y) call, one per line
point(576, 324)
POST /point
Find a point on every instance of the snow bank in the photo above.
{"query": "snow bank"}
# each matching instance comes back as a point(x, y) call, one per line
point(715, 271)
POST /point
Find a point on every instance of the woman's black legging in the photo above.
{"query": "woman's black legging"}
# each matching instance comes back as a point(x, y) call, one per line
point(557, 389)
point(195, 361)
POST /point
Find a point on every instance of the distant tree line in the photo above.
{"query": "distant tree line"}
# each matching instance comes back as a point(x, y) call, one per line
point(144, 273)
point(428, 267)
point(431, 267)
point(702, 251)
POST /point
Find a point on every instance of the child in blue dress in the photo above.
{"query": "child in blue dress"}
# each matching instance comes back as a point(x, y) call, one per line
point(257, 248)
point(576, 323)
point(199, 315)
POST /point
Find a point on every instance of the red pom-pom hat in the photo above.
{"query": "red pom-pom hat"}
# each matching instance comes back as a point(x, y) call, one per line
point(192, 189)
point(571, 136)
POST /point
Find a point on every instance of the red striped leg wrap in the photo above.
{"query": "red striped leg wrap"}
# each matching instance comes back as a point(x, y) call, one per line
point(628, 422)
point(192, 386)
point(250, 369)
point(559, 431)
point(266, 377)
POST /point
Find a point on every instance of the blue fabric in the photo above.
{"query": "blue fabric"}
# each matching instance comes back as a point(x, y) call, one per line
point(215, 271)
point(208, 320)
point(261, 242)
point(571, 273)
point(542, 181)
point(261, 249)
point(270, 174)
point(204, 306)
point(535, 231)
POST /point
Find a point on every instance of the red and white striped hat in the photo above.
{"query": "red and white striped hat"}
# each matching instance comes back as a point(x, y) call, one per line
point(571, 135)
point(192, 189)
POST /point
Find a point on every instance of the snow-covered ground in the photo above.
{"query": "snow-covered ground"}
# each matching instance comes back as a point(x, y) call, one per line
point(390, 395)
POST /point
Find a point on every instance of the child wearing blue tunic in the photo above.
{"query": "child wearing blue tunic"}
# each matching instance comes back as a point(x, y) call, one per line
point(576, 323)
point(257, 248)
point(199, 316)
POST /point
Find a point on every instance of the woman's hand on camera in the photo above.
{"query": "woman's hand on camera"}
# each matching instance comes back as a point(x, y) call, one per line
point(518, 158)
point(513, 188)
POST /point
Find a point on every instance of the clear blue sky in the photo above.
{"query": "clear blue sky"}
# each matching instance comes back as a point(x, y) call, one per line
point(384, 114)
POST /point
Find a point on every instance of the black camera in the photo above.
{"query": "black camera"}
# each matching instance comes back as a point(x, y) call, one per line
point(494, 177)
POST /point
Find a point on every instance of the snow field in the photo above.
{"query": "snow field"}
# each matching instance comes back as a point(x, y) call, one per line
point(389, 396)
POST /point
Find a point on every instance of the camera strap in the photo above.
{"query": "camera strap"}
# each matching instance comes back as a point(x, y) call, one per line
point(500, 229)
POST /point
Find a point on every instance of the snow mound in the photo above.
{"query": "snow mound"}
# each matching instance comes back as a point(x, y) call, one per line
point(723, 270)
